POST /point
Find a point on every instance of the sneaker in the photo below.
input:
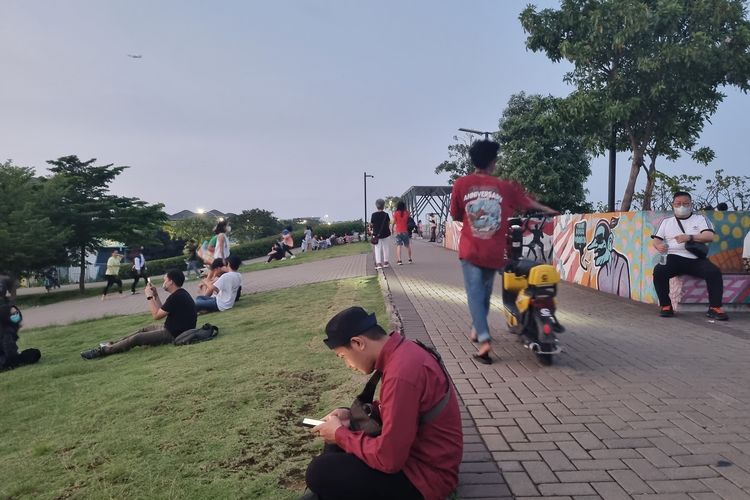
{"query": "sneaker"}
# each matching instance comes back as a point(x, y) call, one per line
point(717, 313)
point(666, 312)
point(399, 263)
point(410, 261)
point(293, 257)
point(378, 266)
point(385, 264)
point(96, 352)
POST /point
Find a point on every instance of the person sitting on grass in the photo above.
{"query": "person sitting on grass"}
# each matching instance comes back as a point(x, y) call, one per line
point(10, 324)
point(419, 448)
point(213, 273)
point(178, 309)
point(223, 292)
point(277, 252)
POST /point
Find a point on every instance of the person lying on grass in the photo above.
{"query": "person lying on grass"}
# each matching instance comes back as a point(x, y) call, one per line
point(417, 450)
point(178, 309)
point(223, 292)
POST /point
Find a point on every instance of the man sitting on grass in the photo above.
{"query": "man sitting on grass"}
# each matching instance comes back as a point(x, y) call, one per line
point(178, 309)
point(223, 292)
point(418, 451)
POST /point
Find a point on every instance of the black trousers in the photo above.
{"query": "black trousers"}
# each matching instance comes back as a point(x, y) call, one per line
point(337, 475)
point(111, 280)
point(25, 357)
point(136, 277)
point(700, 268)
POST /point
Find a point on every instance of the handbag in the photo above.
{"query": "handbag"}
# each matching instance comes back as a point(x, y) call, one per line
point(364, 414)
point(696, 248)
point(374, 239)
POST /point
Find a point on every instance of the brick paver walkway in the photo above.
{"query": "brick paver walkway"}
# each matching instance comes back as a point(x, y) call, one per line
point(636, 407)
point(259, 281)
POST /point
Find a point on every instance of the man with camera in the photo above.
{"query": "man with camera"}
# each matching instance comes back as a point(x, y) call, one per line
point(416, 450)
point(178, 309)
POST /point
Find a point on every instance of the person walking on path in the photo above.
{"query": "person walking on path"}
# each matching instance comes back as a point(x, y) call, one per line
point(191, 258)
point(483, 203)
point(112, 272)
point(401, 227)
point(138, 270)
point(379, 230)
point(433, 228)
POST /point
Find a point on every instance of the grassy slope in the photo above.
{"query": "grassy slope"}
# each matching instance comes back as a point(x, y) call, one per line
point(212, 420)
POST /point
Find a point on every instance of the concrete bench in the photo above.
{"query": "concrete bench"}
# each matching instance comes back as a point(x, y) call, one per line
point(687, 290)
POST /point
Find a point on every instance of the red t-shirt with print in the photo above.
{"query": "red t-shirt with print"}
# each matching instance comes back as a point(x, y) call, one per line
point(401, 219)
point(483, 203)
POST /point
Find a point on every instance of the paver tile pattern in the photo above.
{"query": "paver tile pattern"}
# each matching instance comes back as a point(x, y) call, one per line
point(636, 406)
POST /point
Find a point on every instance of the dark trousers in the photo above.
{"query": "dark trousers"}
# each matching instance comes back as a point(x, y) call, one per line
point(700, 268)
point(25, 357)
point(137, 275)
point(433, 233)
point(111, 280)
point(337, 475)
point(149, 335)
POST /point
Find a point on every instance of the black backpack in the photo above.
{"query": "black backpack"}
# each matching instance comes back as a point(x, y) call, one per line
point(206, 332)
point(411, 225)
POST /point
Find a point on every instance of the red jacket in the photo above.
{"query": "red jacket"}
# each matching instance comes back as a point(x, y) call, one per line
point(412, 383)
point(483, 203)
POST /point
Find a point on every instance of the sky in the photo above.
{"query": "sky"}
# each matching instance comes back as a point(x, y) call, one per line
point(279, 105)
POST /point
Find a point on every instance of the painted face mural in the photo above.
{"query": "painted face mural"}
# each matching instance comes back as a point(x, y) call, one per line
point(601, 244)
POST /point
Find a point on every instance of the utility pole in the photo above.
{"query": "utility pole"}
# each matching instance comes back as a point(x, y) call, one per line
point(364, 181)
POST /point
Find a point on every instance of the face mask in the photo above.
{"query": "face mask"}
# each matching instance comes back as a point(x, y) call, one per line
point(15, 318)
point(682, 211)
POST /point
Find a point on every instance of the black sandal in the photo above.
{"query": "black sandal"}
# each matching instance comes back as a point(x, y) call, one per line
point(485, 358)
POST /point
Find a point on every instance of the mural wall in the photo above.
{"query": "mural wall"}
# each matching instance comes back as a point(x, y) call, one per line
point(537, 238)
point(612, 252)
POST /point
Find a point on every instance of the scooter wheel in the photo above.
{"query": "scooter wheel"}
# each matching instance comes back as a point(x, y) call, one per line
point(545, 359)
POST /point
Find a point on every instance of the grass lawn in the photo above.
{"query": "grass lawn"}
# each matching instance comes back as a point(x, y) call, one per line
point(211, 420)
point(96, 288)
point(302, 258)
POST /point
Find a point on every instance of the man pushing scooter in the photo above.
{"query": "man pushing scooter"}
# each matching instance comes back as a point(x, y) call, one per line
point(483, 203)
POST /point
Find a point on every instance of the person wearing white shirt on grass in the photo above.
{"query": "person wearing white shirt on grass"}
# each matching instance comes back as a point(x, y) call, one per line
point(223, 291)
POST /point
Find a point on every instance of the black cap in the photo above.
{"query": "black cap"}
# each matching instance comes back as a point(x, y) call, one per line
point(347, 324)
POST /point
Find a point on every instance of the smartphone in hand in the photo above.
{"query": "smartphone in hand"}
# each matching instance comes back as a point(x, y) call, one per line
point(311, 422)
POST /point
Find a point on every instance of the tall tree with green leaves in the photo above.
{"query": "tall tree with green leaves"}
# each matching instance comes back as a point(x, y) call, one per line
point(29, 239)
point(92, 214)
point(653, 68)
point(539, 151)
point(198, 227)
point(255, 223)
point(458, 163)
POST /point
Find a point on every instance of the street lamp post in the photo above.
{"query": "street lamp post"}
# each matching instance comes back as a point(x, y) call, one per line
point(364, 221)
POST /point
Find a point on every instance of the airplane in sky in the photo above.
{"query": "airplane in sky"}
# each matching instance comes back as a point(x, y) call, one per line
point(134, 56)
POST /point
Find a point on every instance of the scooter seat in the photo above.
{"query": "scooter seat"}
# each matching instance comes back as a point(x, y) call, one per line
point(521, 267)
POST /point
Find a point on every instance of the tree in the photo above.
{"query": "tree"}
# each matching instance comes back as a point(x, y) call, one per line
point(653, 68)
point(29, 240)
point(197, 228)
point(459, 163)
point(391, 202)
point(254, 224)
point(92, 214)
point(730, 189)
point(538, 151)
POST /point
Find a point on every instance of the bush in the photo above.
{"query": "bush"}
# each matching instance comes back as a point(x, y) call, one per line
point(339, 228)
